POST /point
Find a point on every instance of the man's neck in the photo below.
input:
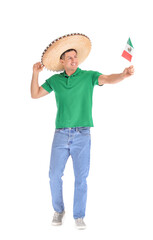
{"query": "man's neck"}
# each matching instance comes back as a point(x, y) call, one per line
point(70, 72)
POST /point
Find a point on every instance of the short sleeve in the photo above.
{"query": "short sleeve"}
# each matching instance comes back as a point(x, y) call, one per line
point(47, 86)
point(95, 76)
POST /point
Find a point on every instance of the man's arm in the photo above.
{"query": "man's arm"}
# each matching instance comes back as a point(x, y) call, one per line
point(36, 91)
point(115, 78)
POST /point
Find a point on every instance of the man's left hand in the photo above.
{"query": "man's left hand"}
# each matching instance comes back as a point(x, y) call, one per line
point(128, 71)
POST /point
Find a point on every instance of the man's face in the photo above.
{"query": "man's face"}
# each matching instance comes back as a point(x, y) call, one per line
point(70, 61)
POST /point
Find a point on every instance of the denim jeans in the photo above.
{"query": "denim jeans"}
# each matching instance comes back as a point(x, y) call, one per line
point(75, 142)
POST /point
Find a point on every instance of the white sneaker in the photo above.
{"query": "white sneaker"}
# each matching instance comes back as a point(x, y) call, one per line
point(80, 223)
point(57, 218)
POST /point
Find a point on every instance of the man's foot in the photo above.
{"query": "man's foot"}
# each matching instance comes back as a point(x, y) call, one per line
point(80, 223)
point(57, 218)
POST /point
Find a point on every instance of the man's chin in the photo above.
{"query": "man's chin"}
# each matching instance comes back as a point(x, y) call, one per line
point(75, 67)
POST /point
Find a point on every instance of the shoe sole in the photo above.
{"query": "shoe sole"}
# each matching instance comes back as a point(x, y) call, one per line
point(80, 228)
point(56, 224)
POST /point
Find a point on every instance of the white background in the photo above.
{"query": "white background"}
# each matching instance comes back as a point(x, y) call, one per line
point(120, 192)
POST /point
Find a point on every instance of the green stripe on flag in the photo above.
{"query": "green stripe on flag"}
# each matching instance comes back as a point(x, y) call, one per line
point(130, 43)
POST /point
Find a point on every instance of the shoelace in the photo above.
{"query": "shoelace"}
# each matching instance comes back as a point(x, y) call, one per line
point(56, 216)
point(80, 220)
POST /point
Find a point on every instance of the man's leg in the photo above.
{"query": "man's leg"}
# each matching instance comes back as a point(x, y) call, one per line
point(59, 156)
point(80, 152)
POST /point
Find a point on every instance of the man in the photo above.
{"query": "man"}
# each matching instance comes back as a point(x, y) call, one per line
point(73, 91)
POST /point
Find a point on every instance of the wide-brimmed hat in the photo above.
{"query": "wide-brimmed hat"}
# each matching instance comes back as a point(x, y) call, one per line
point(51, 55)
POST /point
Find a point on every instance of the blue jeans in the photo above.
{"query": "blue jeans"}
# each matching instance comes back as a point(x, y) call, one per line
point(75, 142)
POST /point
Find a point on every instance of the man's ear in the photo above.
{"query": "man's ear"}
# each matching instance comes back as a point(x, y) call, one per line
point(61, 61)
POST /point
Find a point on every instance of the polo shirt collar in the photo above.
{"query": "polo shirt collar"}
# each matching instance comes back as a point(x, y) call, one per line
point(75, 73)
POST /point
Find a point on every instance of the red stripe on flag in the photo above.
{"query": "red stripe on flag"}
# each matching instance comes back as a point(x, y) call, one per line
point(127, 55)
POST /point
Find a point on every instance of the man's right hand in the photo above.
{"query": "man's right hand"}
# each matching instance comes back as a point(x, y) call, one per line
point(37, 67)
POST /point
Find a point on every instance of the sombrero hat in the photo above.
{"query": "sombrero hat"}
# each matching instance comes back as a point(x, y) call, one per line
point(51, 55)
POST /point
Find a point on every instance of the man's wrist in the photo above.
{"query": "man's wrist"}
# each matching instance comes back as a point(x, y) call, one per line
point(35, 73)
point(122, 75)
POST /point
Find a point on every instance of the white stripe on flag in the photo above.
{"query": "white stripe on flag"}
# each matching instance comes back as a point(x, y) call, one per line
point(129, 49)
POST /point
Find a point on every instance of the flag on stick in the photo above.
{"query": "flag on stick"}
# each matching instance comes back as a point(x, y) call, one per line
point(128, 52)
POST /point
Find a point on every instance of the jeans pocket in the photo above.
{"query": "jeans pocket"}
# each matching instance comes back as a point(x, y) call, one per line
point(84, 130)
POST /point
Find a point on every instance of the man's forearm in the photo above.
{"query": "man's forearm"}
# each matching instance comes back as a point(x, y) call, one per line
point(34, 85)
point(114, 78)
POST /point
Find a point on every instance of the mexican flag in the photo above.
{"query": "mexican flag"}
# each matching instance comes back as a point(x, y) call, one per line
point(128, 52)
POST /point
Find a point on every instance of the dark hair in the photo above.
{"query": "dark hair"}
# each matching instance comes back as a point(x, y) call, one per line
point(69, 50)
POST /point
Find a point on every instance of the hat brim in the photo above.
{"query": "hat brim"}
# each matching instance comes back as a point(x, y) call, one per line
point(51, 56)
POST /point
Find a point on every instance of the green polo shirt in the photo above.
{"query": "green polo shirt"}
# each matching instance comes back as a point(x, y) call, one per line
point(73, 97)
